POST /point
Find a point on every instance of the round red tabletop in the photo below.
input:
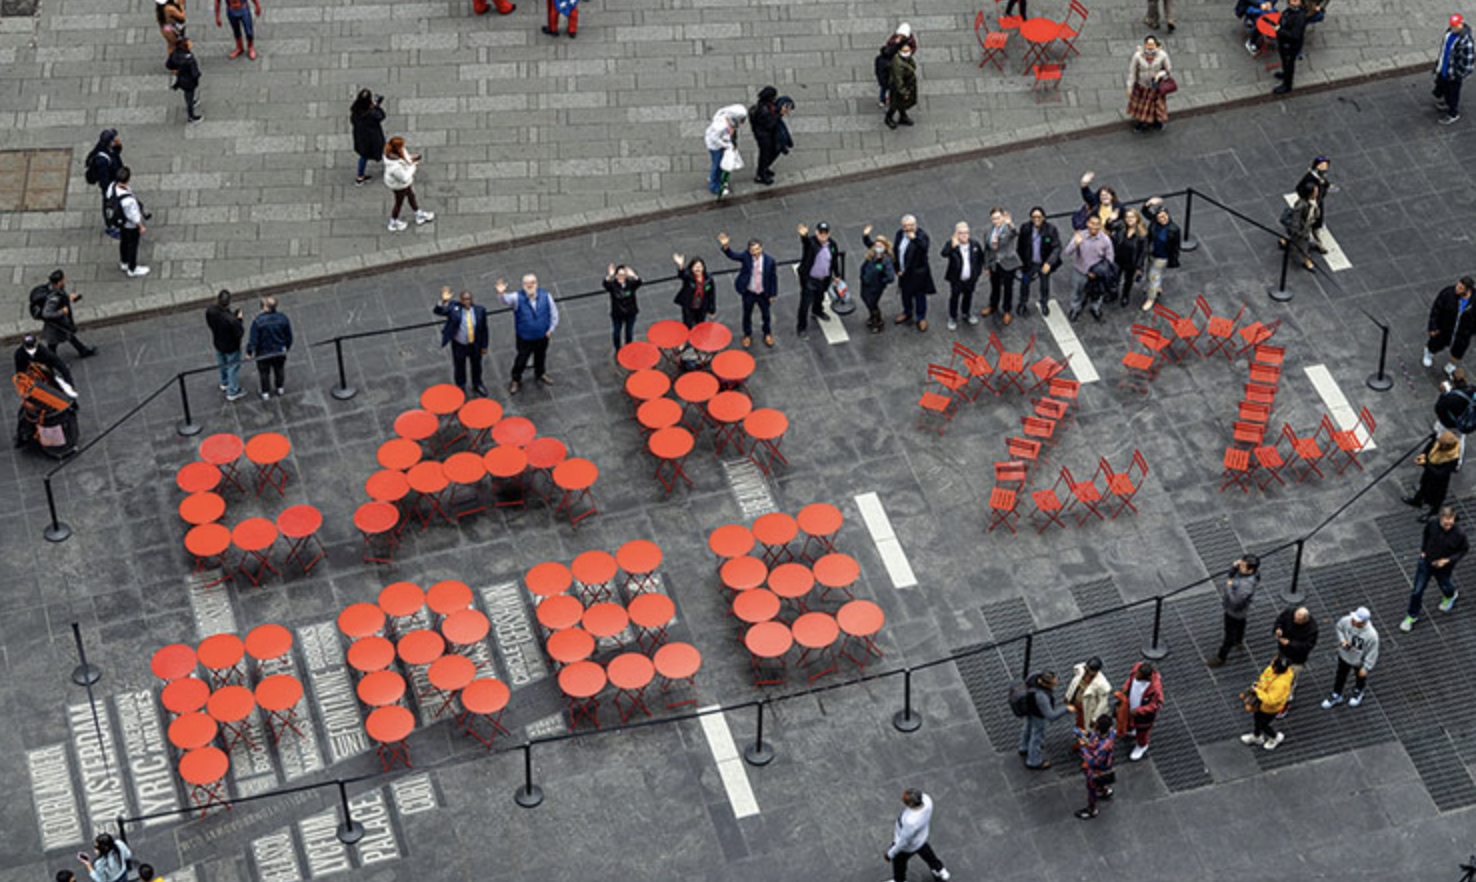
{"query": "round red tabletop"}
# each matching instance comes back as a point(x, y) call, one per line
point(416, 425)
point(860, 618)
point(820, 519)
point(361, 620)
point(594, 567)
point(220, 652)
point(545, 453)
point(775, 528)
point(514, 431)
point(732, 365)
point(505, 461)
point(269, 641)
point(710, 337)
point(630, 670)
point(221, 449)
point(207, 540)
point(570, 645)
point(485, 696)
point(401, 599)
point(658, 413)
point(670, 443)
point(479, 413)
point(744, 572)
point(201, 508)
point(173, 661)
point(575, 473)
point(230, 704)
point(197, 477)
point(185, 695)
point(730, 540)
point(815, 630)
point(1040, 30)
point(298, 521)
point(448, 596)
point(791, 580)
point(651, 610)
point(192, 730)
point(376, 517)
point(768, 639)
point(696, 387)
point(369, 654)
point(268, 448)
point(605, 619)
point(465, 627)
point(756, 605)
point(203, 766)
point(837, 570)
point(766, 424)
point(639, 556)
point(464, 468)
point(421, 647)
point(451, 672)
point(729, 407)
point(559, 612)
point(1266, 23)
point(400, 454)
point(638, 355)
point(645, 385)
point(381, 688)
point(278, 692)
point(582, 679)
point(442, 399)
point(667, 334)
point(677, 661)
point(254, 534)
point(549, 578)
point(428, 477)
point(390, 724)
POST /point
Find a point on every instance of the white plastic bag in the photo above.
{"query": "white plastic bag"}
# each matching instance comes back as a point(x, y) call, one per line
point(732, 160)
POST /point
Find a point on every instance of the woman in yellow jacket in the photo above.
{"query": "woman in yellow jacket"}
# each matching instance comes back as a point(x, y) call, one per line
point(1272, 691)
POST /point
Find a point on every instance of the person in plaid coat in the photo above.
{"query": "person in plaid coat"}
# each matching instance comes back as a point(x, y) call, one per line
point(1457, 60)
point(1138, 704)
point(1097, 745)
point(1146, 105)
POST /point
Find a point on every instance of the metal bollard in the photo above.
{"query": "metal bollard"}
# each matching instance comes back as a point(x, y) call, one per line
point(343, 391)
point(1187, 242)
point(1279, 293)
point(1381, 382)
point(905, 720)
point(1029, 645)
point(530, 795)
point(186, 426)
point(1157, 649)
point(56, 531)
point(84, 674)
point(1294, 595)
point(758, 753)
point(350, 831)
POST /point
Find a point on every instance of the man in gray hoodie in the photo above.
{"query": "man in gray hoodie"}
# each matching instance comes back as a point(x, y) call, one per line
point(1240, 589)
point(1358, 650)
point(910, 837)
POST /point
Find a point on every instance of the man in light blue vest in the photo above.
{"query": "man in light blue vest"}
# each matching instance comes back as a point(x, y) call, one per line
point(535, 316)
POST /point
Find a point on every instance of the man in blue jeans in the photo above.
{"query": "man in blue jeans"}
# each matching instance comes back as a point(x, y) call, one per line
point(1041, 711)
point(722, 135)
point(227, 327)
point(1441, 549)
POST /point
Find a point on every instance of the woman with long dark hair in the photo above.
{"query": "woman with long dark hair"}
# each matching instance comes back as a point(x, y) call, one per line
point(367, 117)
point(170, 15)
point(399, 176)
point(698, 296)
point(110, 864)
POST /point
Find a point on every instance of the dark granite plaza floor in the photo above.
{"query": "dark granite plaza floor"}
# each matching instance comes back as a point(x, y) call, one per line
point(1381, 792)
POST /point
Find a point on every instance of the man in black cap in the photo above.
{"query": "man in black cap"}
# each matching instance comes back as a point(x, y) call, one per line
point(59, 326)
point(817, 269)
point(32, 352)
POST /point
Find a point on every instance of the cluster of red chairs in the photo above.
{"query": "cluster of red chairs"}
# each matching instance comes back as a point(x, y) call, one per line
point(434, 636)
point(970, 374)
point(456, 456)
point(682, 382)
point(615, 599)
point(1039, 33)
point(210, 716)
point(1220, 335)
point(207, 480)
point(778, 593)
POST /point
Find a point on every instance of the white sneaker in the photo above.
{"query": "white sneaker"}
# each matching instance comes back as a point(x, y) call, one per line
point(123, 267)
point(1250, 46)
point(281, 391)
point(952, 325)
point(1138, 751)
point(266, 396)
point(1450, 368)
point(1332, 701)
point(1407, 624)
point(943, 874)
point(1252, 738)
point(1450, 119)
point(138, 272)
point(1271, 745)
point(1448, 603)
point(973, 319)
point(396, 225)
point(1428, 359)
point(424, 217)
point(1356, 699)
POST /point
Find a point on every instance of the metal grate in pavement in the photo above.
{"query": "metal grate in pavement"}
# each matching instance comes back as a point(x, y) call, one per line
point(1095, 597)
point(1434, 756)
point(1007, 619)
point(988, 680)
point(1215, 542)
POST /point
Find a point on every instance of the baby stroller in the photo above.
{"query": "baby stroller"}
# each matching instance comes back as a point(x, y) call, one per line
point(48, 418)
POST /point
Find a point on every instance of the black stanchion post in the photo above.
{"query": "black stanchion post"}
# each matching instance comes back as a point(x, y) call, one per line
point(350, 831)
point(905, 720)
point(758, 753)
point(1157, 649)
point(343, 391)
point(1187, 242)
point(530, 795)
point(84, 674)
point(1381, 382)
point(56, 531)
point(186, 426)
point(122, 830)
point(1279, 293)
point(1029, 645)
point(1294, 594)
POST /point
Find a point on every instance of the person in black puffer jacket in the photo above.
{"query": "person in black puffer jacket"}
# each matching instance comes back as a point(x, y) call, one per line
point(186, 76)
point(763, 116)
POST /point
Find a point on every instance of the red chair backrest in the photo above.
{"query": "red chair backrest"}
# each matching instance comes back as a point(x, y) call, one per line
point(1009, 471)
point(1022, 448)
point(979, 22)
point(962, 351)
point(1140, 462)
point(943, 375)
point(1165, 313)
point(1368, 421)
point(1079, 9)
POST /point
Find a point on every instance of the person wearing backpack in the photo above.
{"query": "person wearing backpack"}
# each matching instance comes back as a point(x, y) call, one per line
point(101, 167)
point(1087, 249)
point(1451, 324)
point(58, 324)
point(186, 76)
point(763, 118)
point(1039, 709)
point(124, 213)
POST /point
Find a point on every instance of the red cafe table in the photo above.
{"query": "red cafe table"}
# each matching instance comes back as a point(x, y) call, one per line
point(361, 620)
point(819, 521)
point(448, 675)
point(1040, 33)
point(416, 424)
point(668, 336)
point(428, 480)
point(791, 582)
point(767, 643)
point(650, 613)
point(774, 531)
point(765, 429)
point(172, 662)
point(639, 558)
point(559, 612)
point(299, 525)
point(733, 367)
point(267, 451)
point(730, 541)
point(658, 413)
point(514, 431)
point(595, 572)
point(506, 464)
point(548, 579)
point(381, 688)
point(255, 538)
point(369, 654)
point(185, 695)
point(544, 455)
point(605, 621)
point(443, 400)
point(860, 620)
point(389, 727)
point(743, 573)
point(267, 643)
point(836, 572)
point(695, 389)
point(223, 450)
point(756, 605)
point(231, 707)
point(581, 682)
point(638, 355)
point(570, 645)
point(399, 454)
point(221, 655)
point(707, 339)
point(192, 730)
point(478, 415)
point(448, 596)
point(484, 698)
point(816, 632)
point(573, 478)
point(727, 411)
point(401, 600)
point(278, 695)
point(387, 485)
point(204, 769)
point(464, 629)
point(670, 447)
point(677, 662)
point(197, 477)
point(643, 386)
point(420, 647)
point(631, 673)
point(202, 508)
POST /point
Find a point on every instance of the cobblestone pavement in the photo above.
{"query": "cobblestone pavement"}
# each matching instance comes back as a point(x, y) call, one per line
point(525, 135)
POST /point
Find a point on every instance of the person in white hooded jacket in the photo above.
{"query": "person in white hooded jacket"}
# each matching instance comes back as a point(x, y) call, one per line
point(722, 135)
point(399, 176)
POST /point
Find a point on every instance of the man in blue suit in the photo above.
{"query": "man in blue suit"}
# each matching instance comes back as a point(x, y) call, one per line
point(466, 332)
point(756, 288)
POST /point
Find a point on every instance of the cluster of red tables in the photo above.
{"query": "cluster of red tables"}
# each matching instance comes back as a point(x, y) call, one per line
point(217, 472)
point(780, 587)
point(209, 716)
point(614, 599)
point(685, 382)
point(411, 630)
point(455, 456)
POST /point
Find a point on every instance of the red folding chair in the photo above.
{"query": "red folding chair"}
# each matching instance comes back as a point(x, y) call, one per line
point(1264, 374)
point(1306, 450)
point(1046, 369)
point(1046, 75)
point(1007, 22)
point(1121, 484)
point(1010, 366)
point(1051, 409)
point(1010, 472)
point(1037, 429)
point(937, 408)
point(1185, 331)
point(1253, 335)
point(1260, 393)
point(1048, 503)
point(955, 383)
point(1024, 450)
point(1002, 503)
point(1272, 355)
point(1350, 442)
point(1217, 328)
point(1237, 469)
point(1249, 433)
point(1252, 412)
point(1143, 366)
point(976, 365)
point(1070, 33)
point(992, 42)
point(1063, 388)
point(1083, 493)
point(1269, 459)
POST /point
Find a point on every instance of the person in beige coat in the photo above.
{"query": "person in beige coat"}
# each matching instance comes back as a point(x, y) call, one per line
point(1146, 104)
point(1089, 692)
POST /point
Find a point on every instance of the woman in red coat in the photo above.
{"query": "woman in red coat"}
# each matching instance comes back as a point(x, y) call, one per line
point(1139, 701)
